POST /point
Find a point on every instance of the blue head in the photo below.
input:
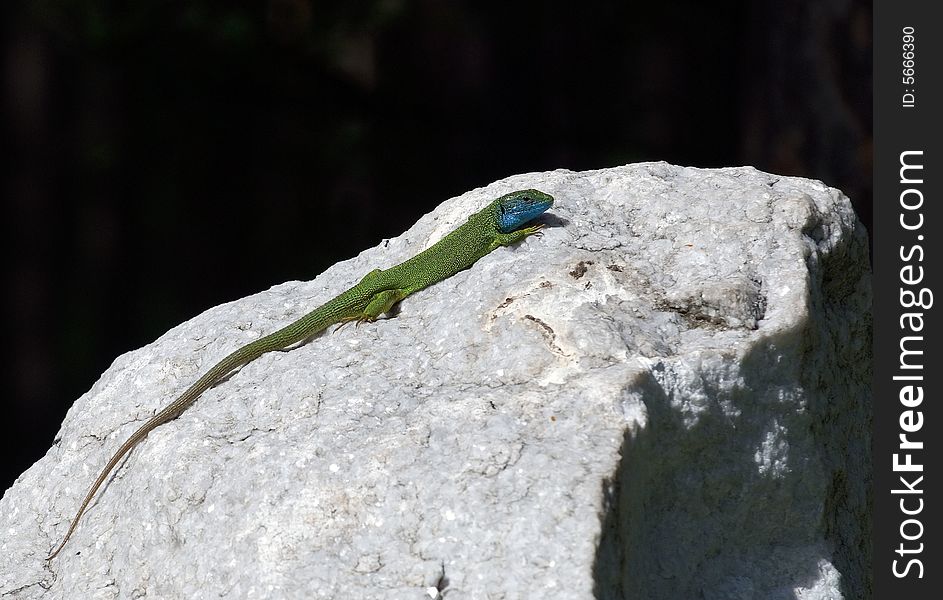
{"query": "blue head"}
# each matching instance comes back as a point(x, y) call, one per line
point(514, 209)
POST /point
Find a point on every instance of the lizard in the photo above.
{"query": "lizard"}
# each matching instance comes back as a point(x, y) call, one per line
point(503, 222)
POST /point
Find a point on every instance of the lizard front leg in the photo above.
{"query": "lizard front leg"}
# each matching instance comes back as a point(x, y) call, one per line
point(507, 239)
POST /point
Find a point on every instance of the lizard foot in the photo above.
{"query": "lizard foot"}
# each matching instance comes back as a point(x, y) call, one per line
point(358, 319)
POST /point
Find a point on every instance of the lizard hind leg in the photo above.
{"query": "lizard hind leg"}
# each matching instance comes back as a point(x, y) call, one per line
point(380, 303)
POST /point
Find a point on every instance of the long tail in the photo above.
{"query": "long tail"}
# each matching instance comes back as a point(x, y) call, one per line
point(301, 329)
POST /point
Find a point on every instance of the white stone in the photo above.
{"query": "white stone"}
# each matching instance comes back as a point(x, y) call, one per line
point(664, 396)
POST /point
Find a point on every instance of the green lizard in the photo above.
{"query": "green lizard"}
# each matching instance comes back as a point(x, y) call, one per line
point(498, 224)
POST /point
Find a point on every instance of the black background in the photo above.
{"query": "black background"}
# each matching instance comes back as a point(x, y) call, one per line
point(164, 157)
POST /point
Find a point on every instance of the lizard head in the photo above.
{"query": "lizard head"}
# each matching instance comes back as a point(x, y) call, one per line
point(514, 209)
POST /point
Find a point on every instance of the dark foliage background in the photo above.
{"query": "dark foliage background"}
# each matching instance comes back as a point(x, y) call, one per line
point(164, 157)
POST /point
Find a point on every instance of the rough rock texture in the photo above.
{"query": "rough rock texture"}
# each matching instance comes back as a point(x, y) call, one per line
point(665, 396)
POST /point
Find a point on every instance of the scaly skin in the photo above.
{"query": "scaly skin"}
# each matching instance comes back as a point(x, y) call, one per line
point(498, 224)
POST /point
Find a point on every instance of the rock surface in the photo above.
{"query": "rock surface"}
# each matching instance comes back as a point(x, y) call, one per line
point(664, 396)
